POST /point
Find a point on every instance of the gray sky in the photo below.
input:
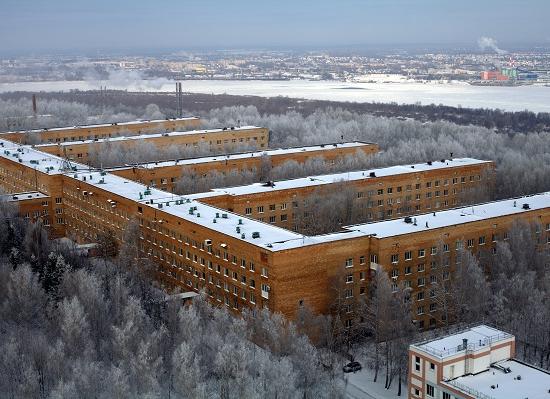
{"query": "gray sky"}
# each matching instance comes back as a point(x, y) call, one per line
point(50, 25)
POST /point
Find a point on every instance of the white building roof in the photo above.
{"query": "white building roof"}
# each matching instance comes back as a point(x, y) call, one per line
point(312, 181)
point(53, 129)
point(38, 160)
point(179, 206)
point(520, 382)
point(148, 136)
point(22, 196)
point(245, 155)
point(478, 337)
point(452, 217)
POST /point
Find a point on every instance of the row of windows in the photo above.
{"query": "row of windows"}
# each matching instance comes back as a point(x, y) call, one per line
point(459, 244)
point(418, 186)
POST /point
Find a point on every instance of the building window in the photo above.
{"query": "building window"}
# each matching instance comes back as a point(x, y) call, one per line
point(421, 253)
point(248, 211)
point(430, 390)
point(349, 262)
point(408, 255)
point(481, 240)
point(417, 363)
point(395, 258)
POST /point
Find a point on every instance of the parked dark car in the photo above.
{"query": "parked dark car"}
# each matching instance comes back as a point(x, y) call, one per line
point(352, 367)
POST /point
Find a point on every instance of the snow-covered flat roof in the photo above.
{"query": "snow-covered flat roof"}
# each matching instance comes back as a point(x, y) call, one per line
point(149, 136)
point(41, 161)
point(520, 382)
point(245, 155)
point(136, 122)
point(6, 144)
point(312, 181)
point(22, 196)
point(478, 337)
point(452, 217)
point(177, 205)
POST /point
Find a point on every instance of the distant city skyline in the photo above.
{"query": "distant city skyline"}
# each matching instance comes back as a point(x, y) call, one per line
point(81, 26)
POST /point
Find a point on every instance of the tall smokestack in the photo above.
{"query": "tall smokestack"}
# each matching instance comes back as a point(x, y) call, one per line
point(34, 104)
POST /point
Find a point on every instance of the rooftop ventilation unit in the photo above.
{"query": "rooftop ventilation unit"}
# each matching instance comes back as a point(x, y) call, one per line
point(372, 174)
point(429, 163)
point(408, 219)
point(256, 234)
point(207, 242)
point(525, 206)
point(224, 215)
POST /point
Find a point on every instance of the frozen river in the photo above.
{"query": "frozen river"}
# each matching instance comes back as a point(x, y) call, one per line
point(533, 98)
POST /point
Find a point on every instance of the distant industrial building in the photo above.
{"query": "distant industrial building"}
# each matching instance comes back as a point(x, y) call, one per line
point(509, 73)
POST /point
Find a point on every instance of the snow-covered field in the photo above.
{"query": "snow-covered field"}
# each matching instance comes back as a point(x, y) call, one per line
point(361, 386)
point(533, 98)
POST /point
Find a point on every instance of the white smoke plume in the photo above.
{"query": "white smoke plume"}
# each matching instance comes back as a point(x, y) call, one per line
point(124, 79)
point(489, 43)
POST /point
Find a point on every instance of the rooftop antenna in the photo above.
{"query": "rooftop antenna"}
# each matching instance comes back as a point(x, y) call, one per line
point(65, 163)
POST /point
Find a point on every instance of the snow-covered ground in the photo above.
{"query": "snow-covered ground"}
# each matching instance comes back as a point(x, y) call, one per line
point(360, 385)
point(533, 98)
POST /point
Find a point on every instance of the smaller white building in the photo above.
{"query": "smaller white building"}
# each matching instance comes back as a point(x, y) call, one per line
point(471, 364)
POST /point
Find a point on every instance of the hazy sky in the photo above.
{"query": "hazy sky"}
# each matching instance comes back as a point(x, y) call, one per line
point(44, 25)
